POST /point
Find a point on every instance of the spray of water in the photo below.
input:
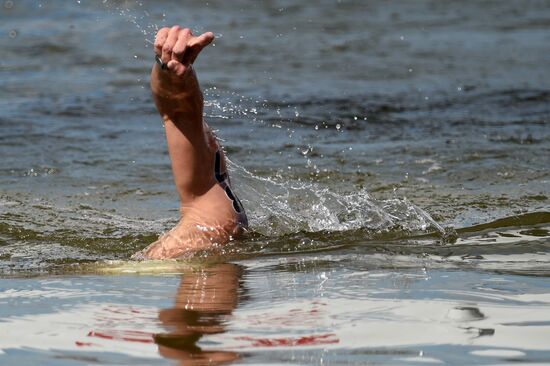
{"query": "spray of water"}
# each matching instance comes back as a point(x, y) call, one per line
point(133, 12)
point(283, 207)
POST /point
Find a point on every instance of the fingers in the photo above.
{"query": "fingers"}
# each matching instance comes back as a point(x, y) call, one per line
point(178, 48)
point(177, 67)
point(181, 44)
point(160, 39)
point(169, 44)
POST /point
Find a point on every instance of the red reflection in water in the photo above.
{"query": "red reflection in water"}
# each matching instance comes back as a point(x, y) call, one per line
point(124, 335)
point(84, 344)
point(313, 340)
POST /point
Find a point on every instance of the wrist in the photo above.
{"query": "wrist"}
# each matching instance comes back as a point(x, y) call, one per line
point(168, 83)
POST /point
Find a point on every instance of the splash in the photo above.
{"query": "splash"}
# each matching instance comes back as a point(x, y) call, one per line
point(134, 13)
point(278, 208)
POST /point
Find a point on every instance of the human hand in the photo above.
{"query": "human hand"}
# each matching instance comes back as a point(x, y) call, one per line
point(178, 48)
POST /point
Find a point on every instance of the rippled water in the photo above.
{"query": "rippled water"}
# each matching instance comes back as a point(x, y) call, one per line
point(393, 159)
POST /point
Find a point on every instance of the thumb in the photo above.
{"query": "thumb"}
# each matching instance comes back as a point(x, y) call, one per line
point(177, 67)
point(203, 40)
point(197, 44)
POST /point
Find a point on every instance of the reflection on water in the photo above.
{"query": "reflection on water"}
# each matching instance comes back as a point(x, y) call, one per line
point(205, 300)
point(301, 310)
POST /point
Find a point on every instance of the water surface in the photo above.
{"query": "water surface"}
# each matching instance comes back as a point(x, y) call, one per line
point(393, 159)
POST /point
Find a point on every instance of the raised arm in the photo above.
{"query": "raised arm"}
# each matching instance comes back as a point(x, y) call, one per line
point(178, 98)
point(211, 214)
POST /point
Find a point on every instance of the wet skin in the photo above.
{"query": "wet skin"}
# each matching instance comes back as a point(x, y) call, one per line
point(208, 218)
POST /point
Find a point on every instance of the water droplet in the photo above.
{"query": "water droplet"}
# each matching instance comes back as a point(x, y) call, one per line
point(402, 38)
point(410, 70)
point(459, 88)
point(355, 118)
point(135, 56)
point(338, 125)
point(316, 127)
point(8, 4)
point(12, 33)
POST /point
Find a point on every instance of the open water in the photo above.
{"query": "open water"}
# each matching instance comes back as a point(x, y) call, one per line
point(393, 158)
